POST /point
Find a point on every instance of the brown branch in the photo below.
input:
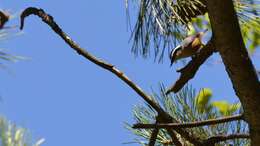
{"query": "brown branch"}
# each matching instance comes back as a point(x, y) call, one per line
point(232, 49)
point(154, 133)
point(153, 137)
point(219, 138)
point(165, 116)
point(50, 21)
point(174, 138)
point(190, 124)
point(176, 141)
point(189, 71)
point(211, 141)
point(4, 17)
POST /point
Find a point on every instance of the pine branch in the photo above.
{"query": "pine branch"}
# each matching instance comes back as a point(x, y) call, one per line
point(219, 138)
point(211, 141)
point(189, 71)
point(153, 137)
point(50, 21)
point(156, 131)
point(190, 124)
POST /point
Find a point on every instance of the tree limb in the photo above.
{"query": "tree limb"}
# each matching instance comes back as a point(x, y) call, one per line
point(165, 116)
point(50, 21)
point(241, 71)
point(189, 71)
point(190, 124)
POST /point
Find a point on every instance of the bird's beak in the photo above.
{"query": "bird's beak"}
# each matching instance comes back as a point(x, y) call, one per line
point(205, 30)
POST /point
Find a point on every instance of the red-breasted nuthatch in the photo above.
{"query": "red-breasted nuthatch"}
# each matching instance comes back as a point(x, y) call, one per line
point(189, 47)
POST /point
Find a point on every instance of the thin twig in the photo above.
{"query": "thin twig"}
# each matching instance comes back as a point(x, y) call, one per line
point(154, 133)
point(153, 137)
point(190, 124)
point(165, 116)
point(175, 140)
point(189, 71)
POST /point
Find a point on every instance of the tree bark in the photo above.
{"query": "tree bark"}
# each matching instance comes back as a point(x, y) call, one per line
point(228, 41)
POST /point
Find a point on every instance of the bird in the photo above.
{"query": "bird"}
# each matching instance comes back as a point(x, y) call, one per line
point(188, 47)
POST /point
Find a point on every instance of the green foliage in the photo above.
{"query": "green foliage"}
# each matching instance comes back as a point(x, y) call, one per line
point(185, 106)
point(11, 135)
point(163, 24)
point(248, 13)
point(202, 100)
point(226, 108)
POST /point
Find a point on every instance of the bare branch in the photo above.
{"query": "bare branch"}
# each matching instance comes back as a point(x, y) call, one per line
point(191, 124)
point(50, 21)
point(165, 116)
point(189, 71)
point(219, 138)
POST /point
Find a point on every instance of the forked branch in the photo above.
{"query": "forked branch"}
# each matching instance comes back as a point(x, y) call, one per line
point(164, 116)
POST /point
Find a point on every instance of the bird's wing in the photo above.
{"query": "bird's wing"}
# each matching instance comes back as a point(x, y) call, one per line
point(174, 52)
point(187, 41)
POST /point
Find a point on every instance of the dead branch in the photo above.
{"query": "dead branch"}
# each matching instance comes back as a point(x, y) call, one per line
point(190, 124)
point(189, 71)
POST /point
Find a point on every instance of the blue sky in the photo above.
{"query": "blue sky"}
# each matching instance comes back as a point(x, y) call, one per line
point(69, 101)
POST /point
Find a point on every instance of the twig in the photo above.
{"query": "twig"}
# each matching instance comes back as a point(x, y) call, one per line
point(190, 124)
point(174, 138)
point(189, 71)
point(153, 137)
point(218, 138)
point(154, 133)
point(165, 116)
